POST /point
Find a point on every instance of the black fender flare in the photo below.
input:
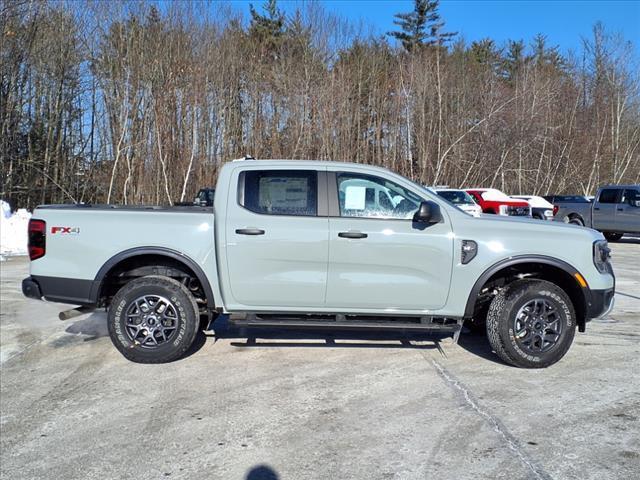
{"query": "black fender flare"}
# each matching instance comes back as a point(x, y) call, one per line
point(516, 260)
point(161, 251)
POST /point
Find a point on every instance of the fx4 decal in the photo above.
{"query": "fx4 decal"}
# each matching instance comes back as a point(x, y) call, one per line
point(65, 230)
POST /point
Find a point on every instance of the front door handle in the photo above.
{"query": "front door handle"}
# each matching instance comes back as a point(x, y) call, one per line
point(249, 231)
point(352, 235)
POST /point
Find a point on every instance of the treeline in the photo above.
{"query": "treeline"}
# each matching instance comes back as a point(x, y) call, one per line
point(138, 102)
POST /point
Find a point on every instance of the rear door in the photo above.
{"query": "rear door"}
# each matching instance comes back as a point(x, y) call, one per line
point(628, 211)
point(277, 238)
point(604, 209)
point(378, 259)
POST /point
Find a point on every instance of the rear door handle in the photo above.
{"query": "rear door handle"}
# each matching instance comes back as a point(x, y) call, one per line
point(249, 231)
point(596, 208)
point(352, 235)
point(621, 209)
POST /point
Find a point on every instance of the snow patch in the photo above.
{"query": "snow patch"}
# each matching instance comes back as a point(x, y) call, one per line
point(13, 231)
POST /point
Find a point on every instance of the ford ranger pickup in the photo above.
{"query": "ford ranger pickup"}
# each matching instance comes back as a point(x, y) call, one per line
point(329, 245)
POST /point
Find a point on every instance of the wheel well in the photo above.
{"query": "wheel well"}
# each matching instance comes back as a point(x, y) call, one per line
point(550, 273)
point(150, 264)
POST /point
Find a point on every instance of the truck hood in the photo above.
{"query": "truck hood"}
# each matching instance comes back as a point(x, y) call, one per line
point(526, 226)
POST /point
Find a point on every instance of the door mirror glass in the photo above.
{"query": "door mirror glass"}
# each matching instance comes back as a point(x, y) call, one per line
point(427, 212)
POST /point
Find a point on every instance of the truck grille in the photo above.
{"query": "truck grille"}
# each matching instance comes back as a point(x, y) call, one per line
point(519, 211)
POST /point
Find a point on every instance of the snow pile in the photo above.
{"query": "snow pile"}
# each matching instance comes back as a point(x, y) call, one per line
point(13, 230)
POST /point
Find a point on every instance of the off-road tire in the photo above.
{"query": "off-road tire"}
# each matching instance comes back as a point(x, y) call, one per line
point(612, 236)
point(188, 319)
point(501, 317)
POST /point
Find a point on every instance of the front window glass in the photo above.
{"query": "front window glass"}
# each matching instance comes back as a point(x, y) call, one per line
point(631, 196)
point(374, 197)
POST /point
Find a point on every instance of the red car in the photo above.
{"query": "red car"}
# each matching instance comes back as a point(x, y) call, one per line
point(495, 202)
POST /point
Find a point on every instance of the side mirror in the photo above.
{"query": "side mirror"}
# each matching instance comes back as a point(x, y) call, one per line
point(428, 212)
point(635, 203)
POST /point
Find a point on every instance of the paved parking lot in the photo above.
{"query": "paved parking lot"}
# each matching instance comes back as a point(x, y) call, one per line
point(297, 406)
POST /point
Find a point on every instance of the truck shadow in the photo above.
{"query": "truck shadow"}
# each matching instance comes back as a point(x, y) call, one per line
point(248, 337)
point(630, 240)
point(94, 326)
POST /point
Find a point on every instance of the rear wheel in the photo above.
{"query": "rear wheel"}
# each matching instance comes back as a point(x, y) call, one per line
point(531, 323)
point(612, 236)
point(153, 319)
point(576, 221)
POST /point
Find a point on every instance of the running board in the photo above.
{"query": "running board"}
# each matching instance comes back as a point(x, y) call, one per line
point(342, 323)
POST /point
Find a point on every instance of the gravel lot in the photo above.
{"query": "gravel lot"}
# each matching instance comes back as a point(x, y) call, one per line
point(298, 406)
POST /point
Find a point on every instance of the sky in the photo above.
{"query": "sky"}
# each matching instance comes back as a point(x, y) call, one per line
point(564, 22)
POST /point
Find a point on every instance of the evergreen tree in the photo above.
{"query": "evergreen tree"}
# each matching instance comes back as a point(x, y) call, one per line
point(268, 29)
point(420, 27)
point(515, 59)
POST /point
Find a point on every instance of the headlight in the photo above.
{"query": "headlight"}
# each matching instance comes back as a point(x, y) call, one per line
point(503, 209)
point(601, 255)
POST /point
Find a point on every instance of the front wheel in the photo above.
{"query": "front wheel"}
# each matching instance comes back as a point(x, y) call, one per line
point(153, 319)
point(531, 323)
point(612, 236)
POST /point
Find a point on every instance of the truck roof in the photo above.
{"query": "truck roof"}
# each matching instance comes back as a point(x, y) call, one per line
point(308, 163)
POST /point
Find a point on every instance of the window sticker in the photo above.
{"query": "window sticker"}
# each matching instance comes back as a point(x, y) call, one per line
point(354, 198)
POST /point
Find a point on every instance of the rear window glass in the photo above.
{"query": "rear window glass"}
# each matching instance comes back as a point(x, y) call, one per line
point(281, 192)
point(608, 195)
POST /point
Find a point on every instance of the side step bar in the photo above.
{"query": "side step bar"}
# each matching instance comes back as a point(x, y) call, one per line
point(342, 323)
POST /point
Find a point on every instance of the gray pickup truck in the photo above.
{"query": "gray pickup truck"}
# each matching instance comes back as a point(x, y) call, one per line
point(615, 210)
point(323, 245)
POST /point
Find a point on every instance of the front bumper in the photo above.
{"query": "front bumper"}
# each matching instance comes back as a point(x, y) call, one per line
point(600, 303)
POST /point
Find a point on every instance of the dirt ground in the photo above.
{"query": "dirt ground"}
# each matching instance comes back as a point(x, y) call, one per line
point(285, 405)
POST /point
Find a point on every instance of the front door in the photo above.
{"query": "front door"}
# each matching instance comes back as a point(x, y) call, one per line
point(378, 259)
point(604, 210)
point(277, 241)
point(628, 211)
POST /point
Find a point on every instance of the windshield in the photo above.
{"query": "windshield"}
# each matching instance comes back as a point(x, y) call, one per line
point(457, 197)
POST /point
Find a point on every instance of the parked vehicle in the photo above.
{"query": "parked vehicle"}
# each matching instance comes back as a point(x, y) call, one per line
point(614, 211)
point(296, 244)
point(204, 198)
point(460, 199)
point(541, 209)
point(495, 202)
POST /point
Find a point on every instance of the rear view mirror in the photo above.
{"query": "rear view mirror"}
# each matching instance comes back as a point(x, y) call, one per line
point(428, 212)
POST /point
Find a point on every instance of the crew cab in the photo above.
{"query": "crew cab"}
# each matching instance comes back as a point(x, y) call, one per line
point(299, 244)
point(615, 210)
point(494, 201)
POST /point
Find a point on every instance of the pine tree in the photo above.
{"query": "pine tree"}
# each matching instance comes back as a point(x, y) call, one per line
point(267, 30)
point(421, 27)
